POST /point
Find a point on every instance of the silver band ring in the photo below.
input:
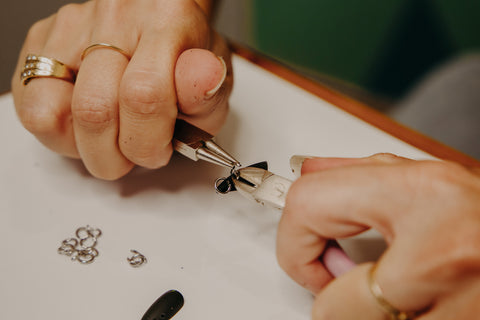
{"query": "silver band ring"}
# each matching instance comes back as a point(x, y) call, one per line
point(42, 67)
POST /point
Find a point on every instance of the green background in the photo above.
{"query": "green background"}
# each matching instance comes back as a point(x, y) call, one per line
point(383, 46)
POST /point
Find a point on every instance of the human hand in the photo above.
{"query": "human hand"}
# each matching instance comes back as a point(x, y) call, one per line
point(121, 112)
point(427, 211)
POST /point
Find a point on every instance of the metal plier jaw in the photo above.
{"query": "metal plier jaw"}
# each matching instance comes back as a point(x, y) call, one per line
point(262, 186)
point(196, 144)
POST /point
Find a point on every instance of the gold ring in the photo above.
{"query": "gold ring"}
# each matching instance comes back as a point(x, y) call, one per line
point(377, 293)
point(103, 45)
point(43, 67)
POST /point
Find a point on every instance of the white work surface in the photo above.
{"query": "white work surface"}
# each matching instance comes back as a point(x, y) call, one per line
point(218, 251)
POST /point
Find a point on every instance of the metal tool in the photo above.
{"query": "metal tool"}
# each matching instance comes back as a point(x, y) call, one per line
point(258, 184)
point(262, 186)
point(196, 144)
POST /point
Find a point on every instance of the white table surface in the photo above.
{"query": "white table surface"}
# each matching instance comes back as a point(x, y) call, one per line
point(218, 251)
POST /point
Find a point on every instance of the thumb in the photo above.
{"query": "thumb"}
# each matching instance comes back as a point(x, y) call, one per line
point(202, 88)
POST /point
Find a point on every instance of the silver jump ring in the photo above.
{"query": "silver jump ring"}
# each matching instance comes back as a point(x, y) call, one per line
point(218, 182)
point(66, 249)
point(81, 249)
point(94, 232)
point(137, 259)
point(86, 232)
point(82, 233)
point(89, 242)
point(70, 241)
point(87, 255)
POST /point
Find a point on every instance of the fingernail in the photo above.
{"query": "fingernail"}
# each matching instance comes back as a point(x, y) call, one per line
point(212, 92)
point(296, 163)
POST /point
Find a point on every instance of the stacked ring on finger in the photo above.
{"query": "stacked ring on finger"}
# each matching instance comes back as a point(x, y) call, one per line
point(38, 66)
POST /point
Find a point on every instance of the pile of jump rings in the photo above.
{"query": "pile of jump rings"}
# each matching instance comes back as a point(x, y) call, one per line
point(82, 248)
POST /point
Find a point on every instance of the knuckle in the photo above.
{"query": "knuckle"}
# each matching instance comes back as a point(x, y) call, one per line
point(443, 176)
point(146, 96)
point(468, 250)
point(298, 210)
point(36, 30)
point(112, 9)
point(186, 14)
point(67, 14)
point(322, 309)
point(39, 122)
point(146, 155)
point(461, 257)
point(93, 111)
point(183, 8)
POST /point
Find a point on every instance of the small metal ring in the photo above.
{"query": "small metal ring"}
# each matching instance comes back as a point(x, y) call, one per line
point(87, 256)
point(66, 249)
point(40, 67)
point(234, 173)
point(94, 232)
point(137, 259)
point(80, 231)
point(70, 241)
point(92, 251)
point(103, 45)
point(218, 182)
point(87, 231)
point(85, 244)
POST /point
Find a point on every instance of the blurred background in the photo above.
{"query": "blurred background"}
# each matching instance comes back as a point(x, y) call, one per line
point(416, 60)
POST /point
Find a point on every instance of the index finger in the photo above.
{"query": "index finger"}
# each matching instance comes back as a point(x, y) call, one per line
point(333, 204)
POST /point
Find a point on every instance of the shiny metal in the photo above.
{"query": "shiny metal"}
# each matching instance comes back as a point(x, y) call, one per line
point(89, 242)
point(82, 233)
point(71, 242)
point(87, 255)
point(262, 186)
point(377, 293)
point(270, 189)
point(81, 249)
point(196, 144)
point(104, 45)
point(137, 259)
point(86, 232)
point(219, 181)
point(43, 67)
point(66, 249)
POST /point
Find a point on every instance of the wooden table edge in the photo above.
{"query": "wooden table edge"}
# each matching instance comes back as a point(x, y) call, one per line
point(358, 109)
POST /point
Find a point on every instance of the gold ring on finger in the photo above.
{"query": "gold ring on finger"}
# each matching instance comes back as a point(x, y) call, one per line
point(103, 45)
point(386, 306)
point(43, 67)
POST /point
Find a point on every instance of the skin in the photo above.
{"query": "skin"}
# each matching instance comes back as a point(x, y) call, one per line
point(429, 214)
point(121, 112)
